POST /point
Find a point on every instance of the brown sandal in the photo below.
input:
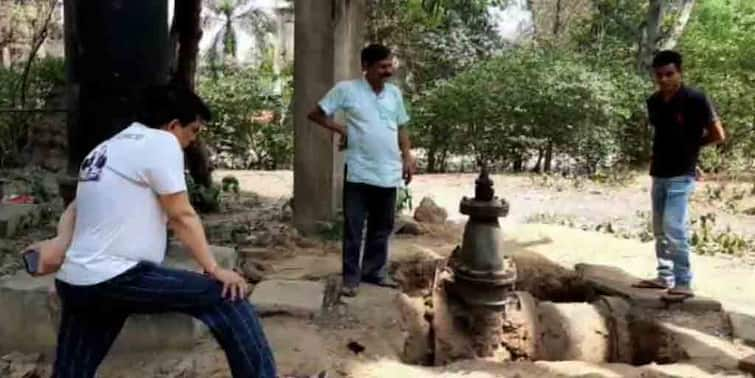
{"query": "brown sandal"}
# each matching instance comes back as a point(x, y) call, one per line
point(322, 374)
point(681, 291)
point(656, 283)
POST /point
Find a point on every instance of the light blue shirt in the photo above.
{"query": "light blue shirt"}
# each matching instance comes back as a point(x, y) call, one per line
point(373, 156)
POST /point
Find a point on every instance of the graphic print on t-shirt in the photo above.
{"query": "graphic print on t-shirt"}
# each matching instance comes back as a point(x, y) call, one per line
point(91, 167)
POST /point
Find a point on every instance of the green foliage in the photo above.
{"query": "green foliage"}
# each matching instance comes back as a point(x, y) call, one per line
point(610, 36)
point(706, 240)
point(503, 109)
point(231, 184)
point(27, 182)
point(251, 126)
point(404, 200)
point(331, 231)
point(719, 44)
point(641, 230)
point(231, 18)
point(616, 177)
point(726, 197)
point(434, 39)
point(203, 199)
point(45, 76)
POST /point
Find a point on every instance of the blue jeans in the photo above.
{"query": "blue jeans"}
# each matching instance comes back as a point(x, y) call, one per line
point(92, 316)
point(670, 199)
point(377, 206)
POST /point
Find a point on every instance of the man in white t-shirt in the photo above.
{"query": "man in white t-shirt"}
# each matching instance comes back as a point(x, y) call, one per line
point(114, 237)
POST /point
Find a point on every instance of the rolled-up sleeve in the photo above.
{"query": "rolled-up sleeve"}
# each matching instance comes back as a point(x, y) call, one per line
point(333, 100)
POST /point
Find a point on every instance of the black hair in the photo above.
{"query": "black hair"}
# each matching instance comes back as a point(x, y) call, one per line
point(374, 53)
point(161, 104)
point(666, 57)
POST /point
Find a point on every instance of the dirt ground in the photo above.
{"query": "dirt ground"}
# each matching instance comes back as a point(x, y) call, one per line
point(307, 346)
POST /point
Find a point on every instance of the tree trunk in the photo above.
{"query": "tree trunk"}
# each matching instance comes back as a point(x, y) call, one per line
point(102, 39)
point(518, 163)
point(651, 35)
point(186, 34)
point(444, 160)
point(685, 11)
point(537, 167)
point(653, 38)
point(431, 159)
point(548, 157)
point(557, 19)
point(37, 40)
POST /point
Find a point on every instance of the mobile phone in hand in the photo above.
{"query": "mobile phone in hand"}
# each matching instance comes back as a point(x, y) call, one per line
point(31, 261)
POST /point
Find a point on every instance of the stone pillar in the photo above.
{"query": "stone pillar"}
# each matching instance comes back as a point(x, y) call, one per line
point(328, 37)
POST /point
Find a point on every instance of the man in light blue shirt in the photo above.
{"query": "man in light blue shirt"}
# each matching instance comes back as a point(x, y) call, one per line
point(378, 158)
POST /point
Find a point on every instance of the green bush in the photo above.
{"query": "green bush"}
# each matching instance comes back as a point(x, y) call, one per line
point(506, 109)
point(718, 45)
point(203, 199)
point(707, 240)
point(251, 127)
point(44, 77)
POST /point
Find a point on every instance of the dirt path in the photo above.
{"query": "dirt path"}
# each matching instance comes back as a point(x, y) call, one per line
point(531, 195)
point(723, 277)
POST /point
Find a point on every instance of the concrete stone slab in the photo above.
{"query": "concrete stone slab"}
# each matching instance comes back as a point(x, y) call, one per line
point(296, 298)
point(258, 253)
point(29, 317)
point(177, 256)
point(742, 319)
point(615, 281)
point(29, 321)
point(14, 218)
point(306, 267)
point(699, 345)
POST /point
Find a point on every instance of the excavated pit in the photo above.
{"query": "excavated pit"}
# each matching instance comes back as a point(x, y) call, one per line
point(553, 315)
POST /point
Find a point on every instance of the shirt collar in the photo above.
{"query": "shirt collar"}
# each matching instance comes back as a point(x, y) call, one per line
point(367, 86)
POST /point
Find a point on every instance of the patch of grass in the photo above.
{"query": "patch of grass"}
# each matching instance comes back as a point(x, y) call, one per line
point(230, 184)
point(615, 177)
point(726, 197)
point(404, 200)
point(204, 199)
point(555, 219)
point(707, 240)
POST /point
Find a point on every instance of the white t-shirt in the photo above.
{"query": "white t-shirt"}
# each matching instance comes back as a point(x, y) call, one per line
point(119, 220)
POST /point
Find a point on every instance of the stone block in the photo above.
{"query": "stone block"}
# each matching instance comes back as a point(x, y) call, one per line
point(615, 281)
point(429, 212)
point(177, 256)
point(258, 253)
point(14, 218)
point(30, 316)
point(296, 298)
point(742, 319)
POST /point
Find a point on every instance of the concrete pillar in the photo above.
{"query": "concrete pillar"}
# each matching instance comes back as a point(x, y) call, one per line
point(328, 36)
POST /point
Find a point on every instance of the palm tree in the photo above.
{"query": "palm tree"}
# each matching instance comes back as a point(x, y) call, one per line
point(237, 29)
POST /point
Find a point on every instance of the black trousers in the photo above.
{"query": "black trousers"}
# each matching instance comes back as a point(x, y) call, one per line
point(377, 206)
